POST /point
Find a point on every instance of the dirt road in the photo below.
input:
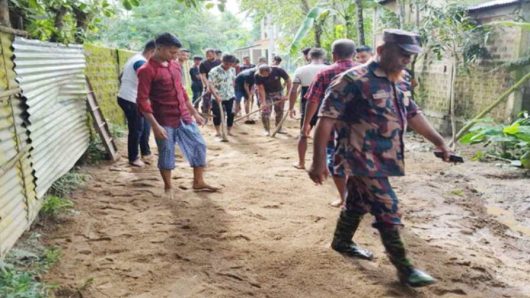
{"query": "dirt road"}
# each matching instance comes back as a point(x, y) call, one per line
point(268, 233)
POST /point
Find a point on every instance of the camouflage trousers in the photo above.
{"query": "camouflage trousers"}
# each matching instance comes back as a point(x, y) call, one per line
point(278, 107)
point(373, 195)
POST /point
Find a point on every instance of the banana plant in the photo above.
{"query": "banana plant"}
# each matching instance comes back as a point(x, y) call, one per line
point(345, 10)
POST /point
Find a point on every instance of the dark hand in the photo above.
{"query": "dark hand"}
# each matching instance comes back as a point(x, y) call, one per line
point(318, 173)
point(445, 151)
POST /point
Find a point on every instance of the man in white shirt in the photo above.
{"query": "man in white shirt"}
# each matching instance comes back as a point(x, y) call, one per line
point(221, 80)
point(139, 128)
point(303, 76)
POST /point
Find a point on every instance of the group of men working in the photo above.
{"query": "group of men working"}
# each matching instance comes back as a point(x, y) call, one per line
point(365, 107)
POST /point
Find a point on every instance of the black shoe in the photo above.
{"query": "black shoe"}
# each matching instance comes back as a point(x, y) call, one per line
point(416, 278)
point(352, 250)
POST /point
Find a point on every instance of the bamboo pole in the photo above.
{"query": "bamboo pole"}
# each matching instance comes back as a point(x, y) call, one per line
point(261, 108)
point(223, 122)
point(499, 99)
point(279, 126)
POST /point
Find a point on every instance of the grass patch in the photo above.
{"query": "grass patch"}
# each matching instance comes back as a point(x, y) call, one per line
point(21, 284)
point(117, 130)
point(457, 192)
point(65, 185)
point(53, 206)
point(21, 273)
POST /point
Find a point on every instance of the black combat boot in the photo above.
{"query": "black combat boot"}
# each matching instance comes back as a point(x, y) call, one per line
point(395, 250)
point(347, 224)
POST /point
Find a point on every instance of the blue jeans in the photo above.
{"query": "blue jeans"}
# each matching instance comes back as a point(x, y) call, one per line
point(139, 130)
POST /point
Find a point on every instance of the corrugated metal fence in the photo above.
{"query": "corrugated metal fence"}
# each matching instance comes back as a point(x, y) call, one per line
point(43, 124)
point(52, 80)
point(18, 202)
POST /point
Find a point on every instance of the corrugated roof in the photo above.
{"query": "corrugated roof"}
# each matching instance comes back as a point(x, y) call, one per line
point(493, 4)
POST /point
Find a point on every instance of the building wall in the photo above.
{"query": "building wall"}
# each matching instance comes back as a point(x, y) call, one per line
point(478, 88)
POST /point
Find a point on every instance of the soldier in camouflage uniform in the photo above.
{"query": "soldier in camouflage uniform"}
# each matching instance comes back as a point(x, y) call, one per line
point(371, 106)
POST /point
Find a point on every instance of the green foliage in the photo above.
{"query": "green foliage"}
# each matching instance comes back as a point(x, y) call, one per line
point(197, 28)
point(65, 185)
point(506, 141)
point(209, 4)
point(64, 21)
point(118, 130)
point(95, 152)
point(50, 257)
point(53, 206)
point(450, 30)
point(20, 284)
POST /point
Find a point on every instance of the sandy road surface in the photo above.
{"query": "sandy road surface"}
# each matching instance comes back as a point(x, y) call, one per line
point(268, 233)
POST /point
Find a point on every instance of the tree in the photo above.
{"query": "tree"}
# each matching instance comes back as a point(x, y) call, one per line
point(143, 22)
point(450, 31)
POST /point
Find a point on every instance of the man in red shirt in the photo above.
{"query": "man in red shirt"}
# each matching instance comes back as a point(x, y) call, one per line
point(343, 51)
point(165, 104)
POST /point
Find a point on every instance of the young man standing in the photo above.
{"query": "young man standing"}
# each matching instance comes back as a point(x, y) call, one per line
point(139, 129)
point(303, 76)
point(276, 61)
point(164, 103)
point(343, 51)
point(270, 93)
point(196, 83)
point(204, 68)
point(371, 105)
point(364, 54)
point(246, 64)
point(221, 79)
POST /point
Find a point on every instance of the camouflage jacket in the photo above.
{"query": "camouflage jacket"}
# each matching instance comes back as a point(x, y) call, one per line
point(372, 115)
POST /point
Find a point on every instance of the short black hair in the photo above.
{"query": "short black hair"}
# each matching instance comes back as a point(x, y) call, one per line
point(343, 48)
point(264, 67)
point(185, 50)
point(364, 49)
point(149, 46)
point(305, 51)
point(278, 59)
point(217, 51)
point(228, 58)
point(317, 53)
point(197, 58)
point(209, 50)
point(167, 39)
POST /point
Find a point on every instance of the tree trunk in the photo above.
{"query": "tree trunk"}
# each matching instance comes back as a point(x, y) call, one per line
point(59, 23)
point(4, 13)
point(452, 102)
point(401, 5)
point(317, 27)
point(360, 22)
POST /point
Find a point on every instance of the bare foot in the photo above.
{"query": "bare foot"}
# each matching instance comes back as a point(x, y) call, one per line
point(168, 194)
point(217, 135)
point(137, 163)
point(205, 187)
point(299, 166)
point(337, 203)
point(147, 159)
point(230, 134)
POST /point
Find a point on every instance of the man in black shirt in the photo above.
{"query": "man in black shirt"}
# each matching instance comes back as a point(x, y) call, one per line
point(196, 83)
point(204, 68)
point(270, 90)
point(243, 88)
point(246, 64)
